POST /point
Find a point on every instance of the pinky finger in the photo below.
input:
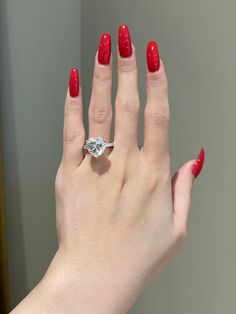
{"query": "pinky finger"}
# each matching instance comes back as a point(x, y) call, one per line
point(73, 131)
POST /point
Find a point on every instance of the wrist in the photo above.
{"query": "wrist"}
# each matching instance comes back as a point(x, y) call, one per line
point(66, 288)
point(78, 286)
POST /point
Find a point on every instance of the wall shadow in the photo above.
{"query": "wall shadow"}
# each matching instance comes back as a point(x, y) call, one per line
point(14, 226)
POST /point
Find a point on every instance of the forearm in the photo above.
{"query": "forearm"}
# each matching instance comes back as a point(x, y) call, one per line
point(62, 290)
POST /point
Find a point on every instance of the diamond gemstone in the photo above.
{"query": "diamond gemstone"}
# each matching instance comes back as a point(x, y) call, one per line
point(96, 146)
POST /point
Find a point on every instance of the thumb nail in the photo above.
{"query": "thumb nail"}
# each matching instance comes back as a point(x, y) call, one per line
point(198, 164)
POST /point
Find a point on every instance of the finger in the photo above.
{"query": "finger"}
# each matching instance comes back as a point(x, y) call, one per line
point(182, 183)
point(73, 131)
point(156, 113)
point(100, 108)
point(127, 99)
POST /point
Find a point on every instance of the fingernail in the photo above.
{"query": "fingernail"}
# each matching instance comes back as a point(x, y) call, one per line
point(152, 56)
point(124, 41)
point(74, 82)
point(104, 49)
point(198, 164)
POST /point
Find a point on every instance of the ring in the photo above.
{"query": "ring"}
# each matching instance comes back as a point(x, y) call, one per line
point(96, 146)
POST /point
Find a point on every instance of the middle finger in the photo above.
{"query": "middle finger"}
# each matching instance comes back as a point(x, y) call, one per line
point(127, 101)
point(100, 108)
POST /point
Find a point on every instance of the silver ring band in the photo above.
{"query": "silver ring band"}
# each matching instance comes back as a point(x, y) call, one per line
point(96, 146)
point(109, 144)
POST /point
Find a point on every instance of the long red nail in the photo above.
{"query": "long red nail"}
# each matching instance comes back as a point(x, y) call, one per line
point(198, 164)
point(104, 49)
point(124, 41)
point(152, 56)
point(74, 82)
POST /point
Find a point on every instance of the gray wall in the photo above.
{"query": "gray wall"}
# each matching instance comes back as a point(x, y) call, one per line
point(42, 39)
point(40, 42)
point(197, 43)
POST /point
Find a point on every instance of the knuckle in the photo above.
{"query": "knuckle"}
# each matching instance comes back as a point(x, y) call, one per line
point(156, 118)
point(153, 80)
point(72, 107)
point(100, 114)
point(129, 106)
point(102, 76)
point(74, 136)
point(158, 81)
point(126, 66)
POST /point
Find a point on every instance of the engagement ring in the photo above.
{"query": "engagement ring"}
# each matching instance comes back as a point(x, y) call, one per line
point(96, 146)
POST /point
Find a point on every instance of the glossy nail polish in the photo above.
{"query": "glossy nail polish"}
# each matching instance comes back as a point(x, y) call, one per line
point(74, 82)
point(152, 56)
point(198, 164)
point(104, 49)
point(124, 41)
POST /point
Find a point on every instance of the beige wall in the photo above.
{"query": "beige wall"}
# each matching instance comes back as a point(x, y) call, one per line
point(42, 39)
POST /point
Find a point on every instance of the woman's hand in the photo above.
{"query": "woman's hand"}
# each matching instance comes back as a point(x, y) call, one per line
point(120, 218)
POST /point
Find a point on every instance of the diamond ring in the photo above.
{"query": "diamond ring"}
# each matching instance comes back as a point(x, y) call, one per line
point(97, 146)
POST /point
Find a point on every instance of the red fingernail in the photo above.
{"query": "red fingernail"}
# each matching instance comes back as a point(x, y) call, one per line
point(152, 56)
point(74, 82)
point(124, 41)
point(104, 49)
point(198, 164)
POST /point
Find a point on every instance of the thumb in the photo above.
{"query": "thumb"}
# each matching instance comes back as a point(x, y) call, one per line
point(182, 183)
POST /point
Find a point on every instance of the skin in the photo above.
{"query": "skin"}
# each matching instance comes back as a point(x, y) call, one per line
point(120, 218)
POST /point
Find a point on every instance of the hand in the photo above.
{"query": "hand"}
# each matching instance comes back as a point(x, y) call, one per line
point(120, 218)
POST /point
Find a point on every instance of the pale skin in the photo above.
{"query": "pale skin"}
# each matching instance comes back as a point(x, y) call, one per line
point(121, 217)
